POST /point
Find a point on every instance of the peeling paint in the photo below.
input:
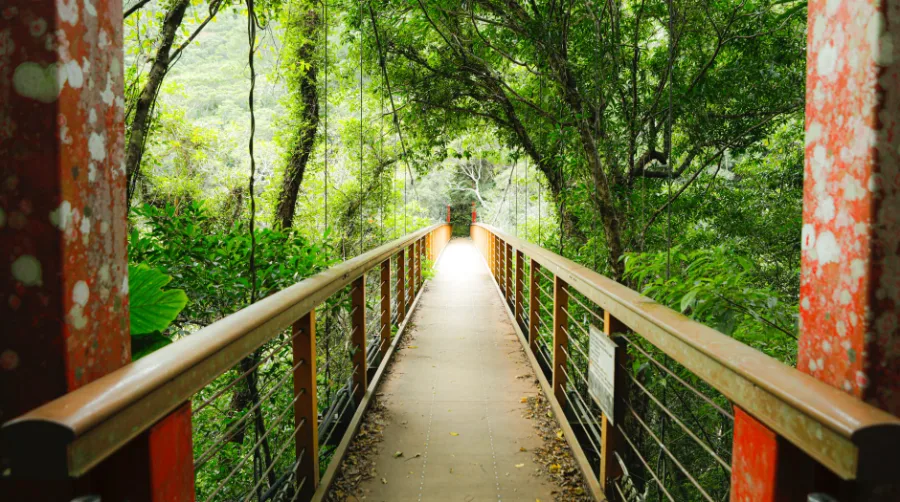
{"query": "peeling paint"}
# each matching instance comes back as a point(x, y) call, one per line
point(60, 70)
point(27, 270)
point(850, 279)
point(42, 83)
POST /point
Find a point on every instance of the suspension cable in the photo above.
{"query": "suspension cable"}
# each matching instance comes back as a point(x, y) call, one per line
point(668, 139)
point(325, 108)
point(381, 155)
point(360, 129)
point(526, 198)
point(541, 105)
point(387, 81)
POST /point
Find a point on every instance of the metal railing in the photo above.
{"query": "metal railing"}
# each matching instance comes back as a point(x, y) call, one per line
point(677, 386)
point(274, 392)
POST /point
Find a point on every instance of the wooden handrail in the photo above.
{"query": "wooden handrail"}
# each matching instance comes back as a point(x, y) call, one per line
point(69, 435)
point(850, 437)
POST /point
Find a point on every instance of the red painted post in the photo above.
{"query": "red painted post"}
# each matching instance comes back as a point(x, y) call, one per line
point(508, 273)
point(474, 213)
point(849, 294)
point(850, 279)
point(306, 405)
point(533, 306)
point(520, 294)
point(62, 204)
point(448, 213)
point(385, 306)
point(611, 436)
point(63, 236)
point(401, 286)
point(560, 338)
point(358, 338)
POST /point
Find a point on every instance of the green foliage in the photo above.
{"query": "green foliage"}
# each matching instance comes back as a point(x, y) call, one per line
point(210, 261)
point(152, 309)
point(715, 287)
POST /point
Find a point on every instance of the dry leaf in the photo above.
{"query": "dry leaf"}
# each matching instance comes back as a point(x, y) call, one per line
point(383, 481)
point(413, 347)
point(555, 468)
point(519, 466)
point(398, 454)
point(524, 399)
point(523, 449)
point(559, 434)
point(454, 434)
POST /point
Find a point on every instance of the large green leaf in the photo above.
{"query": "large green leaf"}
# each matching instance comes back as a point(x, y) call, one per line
point(152, 308)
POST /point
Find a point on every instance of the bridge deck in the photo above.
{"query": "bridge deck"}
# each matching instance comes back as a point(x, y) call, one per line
point(454, 397)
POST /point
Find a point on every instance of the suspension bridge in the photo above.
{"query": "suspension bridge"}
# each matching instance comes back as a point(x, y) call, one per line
point(496, 310)
point(423, 340)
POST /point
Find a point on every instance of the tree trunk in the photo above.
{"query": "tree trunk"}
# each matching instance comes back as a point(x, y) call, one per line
point(305, 135)
point(134, 149)
point(551, 171)
point(601, 195)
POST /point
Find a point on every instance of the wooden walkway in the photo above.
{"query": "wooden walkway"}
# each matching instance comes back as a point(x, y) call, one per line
point(454, 397)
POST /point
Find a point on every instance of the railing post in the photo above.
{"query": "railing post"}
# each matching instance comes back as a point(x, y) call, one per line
point(489, 247)
point(560, 338)
point(520, 276)
point(401, 286)
point(385, 306)
point(533, 305)
point(610, 470)
point(358, 337)
point(414, 270)
point(420, 252)
point(498, 272)
point(489, 244)
point(411, 279)
point(306, 406)
point(509, 273)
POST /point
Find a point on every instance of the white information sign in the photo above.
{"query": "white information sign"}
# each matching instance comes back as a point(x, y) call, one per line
point(602, 371)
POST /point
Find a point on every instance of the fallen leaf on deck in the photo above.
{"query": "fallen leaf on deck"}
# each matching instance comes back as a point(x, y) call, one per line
point(383, 481)
point(519, 466)
point(398, 454)
point(454, 434)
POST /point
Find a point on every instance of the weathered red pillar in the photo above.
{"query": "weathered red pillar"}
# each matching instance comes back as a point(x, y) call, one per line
point(850, 282)
point(850, 277)
point(448, 213)
point(62, 199)
point(64, 286)
point(474, 214)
